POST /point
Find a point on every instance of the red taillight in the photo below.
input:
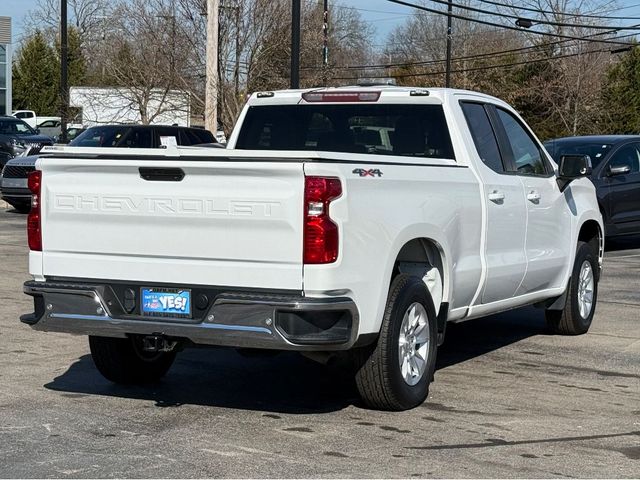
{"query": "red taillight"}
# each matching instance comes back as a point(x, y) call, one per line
point(341, 96)
point(320, 233)
point(34, 232)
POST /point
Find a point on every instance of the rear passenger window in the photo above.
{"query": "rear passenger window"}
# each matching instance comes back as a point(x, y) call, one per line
point(483, 135)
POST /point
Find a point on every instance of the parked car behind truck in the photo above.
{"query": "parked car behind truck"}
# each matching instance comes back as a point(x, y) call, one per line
point(616, 176)
point(13, 181)
point(302, 237)
point(17, 138)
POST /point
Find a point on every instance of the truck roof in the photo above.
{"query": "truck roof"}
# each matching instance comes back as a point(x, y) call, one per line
point(387, 92)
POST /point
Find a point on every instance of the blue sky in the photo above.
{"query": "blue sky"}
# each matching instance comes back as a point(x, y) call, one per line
point(384, 18)
point(383, 15)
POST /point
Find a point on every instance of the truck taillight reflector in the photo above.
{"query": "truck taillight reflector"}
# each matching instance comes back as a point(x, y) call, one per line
point(34, 232)
point(320, 232)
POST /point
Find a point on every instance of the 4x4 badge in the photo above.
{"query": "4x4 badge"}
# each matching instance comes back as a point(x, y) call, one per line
point(372, 172)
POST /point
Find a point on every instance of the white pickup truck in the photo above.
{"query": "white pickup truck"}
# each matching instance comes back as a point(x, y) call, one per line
point(353, 220)
point(33, 120)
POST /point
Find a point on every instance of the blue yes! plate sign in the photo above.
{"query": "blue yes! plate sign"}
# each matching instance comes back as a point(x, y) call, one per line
point(166, 302)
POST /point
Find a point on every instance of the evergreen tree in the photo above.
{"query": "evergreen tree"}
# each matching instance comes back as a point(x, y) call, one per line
point(76, 62)
point(620, 109)
point(35, 80)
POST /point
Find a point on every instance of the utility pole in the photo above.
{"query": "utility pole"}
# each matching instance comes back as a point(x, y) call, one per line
point(64, 77)
point(236, 71)
point(211, 84)
point(325, 41)
point(295, 43)
point(447, 81)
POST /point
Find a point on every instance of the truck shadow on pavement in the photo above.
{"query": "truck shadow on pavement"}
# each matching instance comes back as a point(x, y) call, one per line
point(287, 382)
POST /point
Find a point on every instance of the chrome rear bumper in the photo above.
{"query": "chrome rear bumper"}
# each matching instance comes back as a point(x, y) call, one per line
point(233, 319)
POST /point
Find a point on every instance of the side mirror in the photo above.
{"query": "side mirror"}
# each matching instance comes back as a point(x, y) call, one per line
point(38, 131)
point(618, 170)
point(572, 167)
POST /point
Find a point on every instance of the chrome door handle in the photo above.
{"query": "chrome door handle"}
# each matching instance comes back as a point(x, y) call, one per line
point(533, 196)
point(496, 196)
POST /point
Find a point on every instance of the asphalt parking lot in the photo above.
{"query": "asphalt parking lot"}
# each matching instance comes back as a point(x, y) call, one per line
point(509, 400)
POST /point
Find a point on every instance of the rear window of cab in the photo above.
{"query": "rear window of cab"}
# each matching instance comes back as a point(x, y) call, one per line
point(383, 129)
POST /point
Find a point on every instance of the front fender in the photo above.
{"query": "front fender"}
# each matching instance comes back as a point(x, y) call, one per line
point(583, 204)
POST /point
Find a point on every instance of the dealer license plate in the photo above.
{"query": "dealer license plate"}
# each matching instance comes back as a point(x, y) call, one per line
point(166, 302)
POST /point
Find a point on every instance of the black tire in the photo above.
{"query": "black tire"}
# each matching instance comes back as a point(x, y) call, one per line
point(569, 321)
point(378, 374)
point(122, 360)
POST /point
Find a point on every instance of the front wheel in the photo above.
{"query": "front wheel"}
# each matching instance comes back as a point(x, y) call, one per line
point(582, 293)
point(122, 360)
point(395, 374)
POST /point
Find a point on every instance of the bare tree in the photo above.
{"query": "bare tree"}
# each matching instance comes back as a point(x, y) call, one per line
point(148, 48)
point(144, 56)
point(87, 16)
point(556, 82)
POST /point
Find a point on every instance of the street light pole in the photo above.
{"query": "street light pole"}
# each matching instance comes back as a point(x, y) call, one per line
point(64, 77)
point(295, 43)
point(211, 83)
point(447, 80)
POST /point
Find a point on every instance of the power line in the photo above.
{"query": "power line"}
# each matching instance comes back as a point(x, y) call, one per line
point(468, 57)
point(501, 53)
point(344, 7)
point(493, 24)
point(516, 17)
point(484, 67)
point(556, 42)
point(565, 14)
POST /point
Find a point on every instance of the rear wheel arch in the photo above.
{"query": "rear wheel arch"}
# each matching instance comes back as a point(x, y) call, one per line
point(425, 258)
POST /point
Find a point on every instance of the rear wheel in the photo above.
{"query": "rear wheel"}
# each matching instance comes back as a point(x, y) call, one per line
point(122, 360)
point(582, 293)
point(395, 373)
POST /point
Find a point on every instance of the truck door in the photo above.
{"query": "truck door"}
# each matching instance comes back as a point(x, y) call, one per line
point(548, 234)
point(506, 211)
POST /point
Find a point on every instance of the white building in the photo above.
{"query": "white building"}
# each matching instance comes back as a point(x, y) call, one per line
point(99, 106)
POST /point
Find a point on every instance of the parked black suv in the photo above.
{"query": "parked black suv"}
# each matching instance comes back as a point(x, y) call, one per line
point(13, 182)
point(616, 175)
point(16, 137)
point(140, 136)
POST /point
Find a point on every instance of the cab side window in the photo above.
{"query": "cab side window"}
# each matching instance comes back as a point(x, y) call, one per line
point(527, 155)
point(483, 135)
point(627, 156)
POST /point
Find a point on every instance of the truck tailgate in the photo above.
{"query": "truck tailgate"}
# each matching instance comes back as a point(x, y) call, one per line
point(226, 223)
